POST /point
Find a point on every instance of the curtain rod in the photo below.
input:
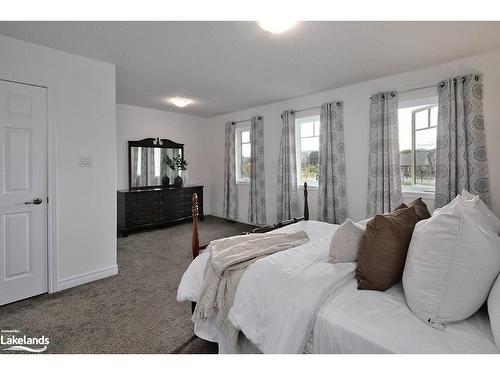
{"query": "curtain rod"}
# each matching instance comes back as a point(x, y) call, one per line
point(307, 109)
point(247, 120)
point(440, 84)
point(393, 93)
point(418, 88)
point(239, 122)
point(339, 103)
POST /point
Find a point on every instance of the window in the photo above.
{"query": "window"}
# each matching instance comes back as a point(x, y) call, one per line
point(243, 149)
point(307, 148)
point(417, 144)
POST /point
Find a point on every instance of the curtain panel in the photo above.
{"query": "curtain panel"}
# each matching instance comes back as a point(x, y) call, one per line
point(287, 199)
point(461, 161)
point(332, 205)
point(257, 191)
point(230, 202)
point(384, 177)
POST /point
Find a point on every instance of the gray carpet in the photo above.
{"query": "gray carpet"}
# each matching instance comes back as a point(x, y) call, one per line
point(133, 312)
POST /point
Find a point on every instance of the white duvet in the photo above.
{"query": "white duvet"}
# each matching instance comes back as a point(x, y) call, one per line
point(277, 296)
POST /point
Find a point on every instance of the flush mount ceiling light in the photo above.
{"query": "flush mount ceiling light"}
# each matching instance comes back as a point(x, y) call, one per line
point(276, 26)
point(180, 102)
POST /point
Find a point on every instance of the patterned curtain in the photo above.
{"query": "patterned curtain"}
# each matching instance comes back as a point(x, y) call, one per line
point(384, 178)
point(287, 201)
point(332, 205)
point(230, 204)
point(257, 191)
point(461, 146)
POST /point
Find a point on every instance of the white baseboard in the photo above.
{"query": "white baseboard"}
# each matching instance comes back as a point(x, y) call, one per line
point(85, 278)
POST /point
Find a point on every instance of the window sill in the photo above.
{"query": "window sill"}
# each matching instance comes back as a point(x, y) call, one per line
point(309, 187)
point(415, 193)
point(243, 183)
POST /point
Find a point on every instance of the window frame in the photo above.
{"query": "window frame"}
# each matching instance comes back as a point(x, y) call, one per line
point(238, 150)
point(426, 101)
point(307, 117)
point(414, 130)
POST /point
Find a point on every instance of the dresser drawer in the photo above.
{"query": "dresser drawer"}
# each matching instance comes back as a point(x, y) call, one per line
point(178, 212)
point(153, 208)
point(180, 194)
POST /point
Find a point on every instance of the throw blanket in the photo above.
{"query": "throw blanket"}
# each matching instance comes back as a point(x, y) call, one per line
point(229, 257)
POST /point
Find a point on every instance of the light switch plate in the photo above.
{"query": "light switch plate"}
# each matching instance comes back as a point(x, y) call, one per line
point(86, 161)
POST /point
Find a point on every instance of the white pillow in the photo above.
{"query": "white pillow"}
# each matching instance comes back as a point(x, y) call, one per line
point(494, 311)
point(364, 222)
point(493, 221)
point(453, 260)
point(345, 242)
point(466, 195)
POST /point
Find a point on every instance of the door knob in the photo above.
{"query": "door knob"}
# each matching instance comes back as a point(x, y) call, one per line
point(34, 201)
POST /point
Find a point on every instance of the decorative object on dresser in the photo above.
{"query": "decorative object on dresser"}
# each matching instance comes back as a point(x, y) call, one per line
point(178, 165)
point(165, 180)
point(156, 207)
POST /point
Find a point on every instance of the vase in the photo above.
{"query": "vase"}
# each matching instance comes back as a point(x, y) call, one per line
point(181, 179)
point(165, 180)
point(178, 182)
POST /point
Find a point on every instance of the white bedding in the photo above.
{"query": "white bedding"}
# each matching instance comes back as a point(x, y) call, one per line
point(294, 302)
point(265, 309)
point(363, 321)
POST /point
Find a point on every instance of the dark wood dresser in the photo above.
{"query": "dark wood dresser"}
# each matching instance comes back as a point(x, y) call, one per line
point(156, 207)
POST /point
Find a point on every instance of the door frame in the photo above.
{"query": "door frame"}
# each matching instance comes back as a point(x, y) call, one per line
point(51, 172)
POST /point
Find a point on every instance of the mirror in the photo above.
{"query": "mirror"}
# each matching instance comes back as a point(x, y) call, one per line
point(147, 162)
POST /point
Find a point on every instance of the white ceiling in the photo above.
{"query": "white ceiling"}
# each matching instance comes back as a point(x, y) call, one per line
point(229, 66)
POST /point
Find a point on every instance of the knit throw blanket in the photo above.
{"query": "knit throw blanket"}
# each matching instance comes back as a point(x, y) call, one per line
point(229, 257)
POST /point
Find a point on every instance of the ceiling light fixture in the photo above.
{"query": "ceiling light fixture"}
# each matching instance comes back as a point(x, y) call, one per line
point(180, 102)
point(276, 26)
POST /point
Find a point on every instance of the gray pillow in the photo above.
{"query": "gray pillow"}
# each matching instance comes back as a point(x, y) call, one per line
point(345, 242)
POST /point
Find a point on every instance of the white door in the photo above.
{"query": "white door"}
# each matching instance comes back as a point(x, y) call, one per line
point(23, 191)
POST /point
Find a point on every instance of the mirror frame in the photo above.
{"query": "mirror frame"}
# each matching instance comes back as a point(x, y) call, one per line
point(151, 143)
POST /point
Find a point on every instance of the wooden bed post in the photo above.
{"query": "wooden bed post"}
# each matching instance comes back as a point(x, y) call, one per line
point(195, 245)
point(306, 205)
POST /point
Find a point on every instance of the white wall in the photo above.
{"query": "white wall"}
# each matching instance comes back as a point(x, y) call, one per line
point(356, 113)
point(135, 123)
point(83, 108)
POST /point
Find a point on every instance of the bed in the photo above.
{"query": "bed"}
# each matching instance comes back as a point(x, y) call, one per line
point(277, 296)
point(295, 301)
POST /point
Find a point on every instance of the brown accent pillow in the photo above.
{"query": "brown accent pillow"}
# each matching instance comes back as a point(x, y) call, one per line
point(402, 205)
point(383, 249)
point(420, 209)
